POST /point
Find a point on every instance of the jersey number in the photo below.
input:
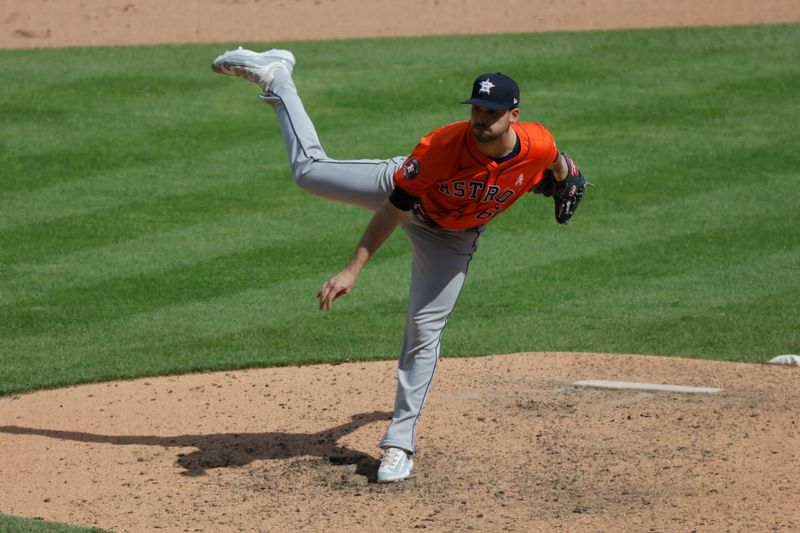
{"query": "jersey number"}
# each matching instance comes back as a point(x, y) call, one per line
point(489, 213)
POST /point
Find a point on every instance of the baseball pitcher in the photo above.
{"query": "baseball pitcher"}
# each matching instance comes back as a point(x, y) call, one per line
point(457, 180)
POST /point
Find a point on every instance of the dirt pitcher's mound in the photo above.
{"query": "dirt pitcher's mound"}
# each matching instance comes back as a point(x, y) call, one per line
point(507, 443)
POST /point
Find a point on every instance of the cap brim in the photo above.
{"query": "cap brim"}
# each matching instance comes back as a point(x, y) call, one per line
point(487, 104)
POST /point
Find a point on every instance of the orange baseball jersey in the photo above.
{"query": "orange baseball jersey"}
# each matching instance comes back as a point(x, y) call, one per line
point(461, 188)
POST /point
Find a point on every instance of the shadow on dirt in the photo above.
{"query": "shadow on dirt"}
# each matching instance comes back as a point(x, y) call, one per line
point(240, 449)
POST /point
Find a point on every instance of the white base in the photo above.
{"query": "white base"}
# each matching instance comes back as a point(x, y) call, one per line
point(646, 386)
point(789, 359)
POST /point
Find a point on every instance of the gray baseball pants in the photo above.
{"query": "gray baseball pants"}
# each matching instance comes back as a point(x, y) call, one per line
point(440, 256)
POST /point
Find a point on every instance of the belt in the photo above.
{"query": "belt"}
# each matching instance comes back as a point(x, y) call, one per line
point(423, 215)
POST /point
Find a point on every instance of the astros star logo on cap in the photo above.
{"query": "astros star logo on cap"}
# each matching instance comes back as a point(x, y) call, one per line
point(494, 91)
point(486, 86)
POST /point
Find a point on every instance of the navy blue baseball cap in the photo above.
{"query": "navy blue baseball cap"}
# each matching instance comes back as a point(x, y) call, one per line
point(494, 91)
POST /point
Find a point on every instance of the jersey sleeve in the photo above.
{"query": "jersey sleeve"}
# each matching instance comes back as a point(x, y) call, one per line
point(545, 149)
point(426, 164)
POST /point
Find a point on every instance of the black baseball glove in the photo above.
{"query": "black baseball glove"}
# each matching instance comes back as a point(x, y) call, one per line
point(566, 194)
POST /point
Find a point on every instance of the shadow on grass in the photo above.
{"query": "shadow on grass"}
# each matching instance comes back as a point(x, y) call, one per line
point(240, 449)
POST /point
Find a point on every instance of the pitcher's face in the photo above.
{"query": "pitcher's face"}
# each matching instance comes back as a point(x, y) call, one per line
point(489, 124)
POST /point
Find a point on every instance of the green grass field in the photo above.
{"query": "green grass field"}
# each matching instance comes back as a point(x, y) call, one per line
point(9, 524)
point(149, 225)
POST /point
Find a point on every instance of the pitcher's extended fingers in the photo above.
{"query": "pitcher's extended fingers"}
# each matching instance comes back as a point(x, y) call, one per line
point(338, 285)
point(329, 300)
point(327, 295)
point(322, 295)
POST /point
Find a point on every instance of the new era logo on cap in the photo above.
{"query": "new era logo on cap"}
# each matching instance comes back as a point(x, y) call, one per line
point(494, 91)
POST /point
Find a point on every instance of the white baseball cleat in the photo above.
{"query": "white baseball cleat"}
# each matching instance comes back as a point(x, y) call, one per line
point(258, 67)
point(395, 466)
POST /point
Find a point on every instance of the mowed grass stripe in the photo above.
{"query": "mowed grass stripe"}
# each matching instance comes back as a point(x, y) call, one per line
point(137, 181)
point(648, 223)
point(214, 272)
point(179, 246)
point(122, 345)
point(258, 249)
point(584, 308)
point(105, 140)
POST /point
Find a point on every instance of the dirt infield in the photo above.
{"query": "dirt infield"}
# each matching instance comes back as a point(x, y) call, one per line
point(40, 23)
point(507, 443)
